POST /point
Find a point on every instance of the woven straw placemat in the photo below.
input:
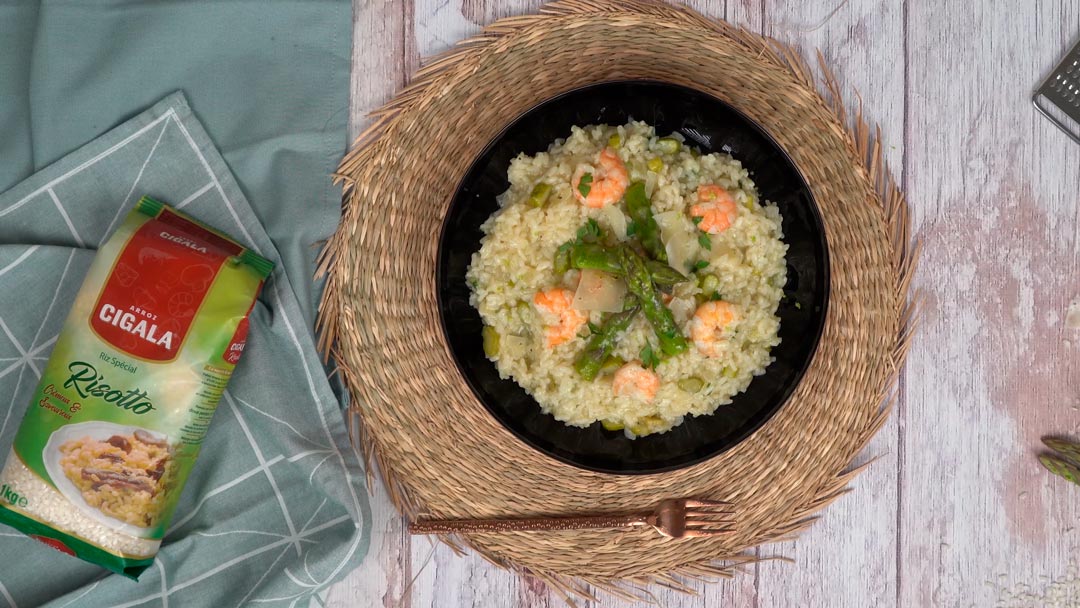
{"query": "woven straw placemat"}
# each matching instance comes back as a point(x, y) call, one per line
point(439, 450)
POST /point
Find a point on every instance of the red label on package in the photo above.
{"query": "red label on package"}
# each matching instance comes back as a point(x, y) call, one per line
point(158, 283)
point(236, 345)
point(52, 542)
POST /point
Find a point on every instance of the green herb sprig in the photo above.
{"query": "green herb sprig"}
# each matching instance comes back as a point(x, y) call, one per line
point(649, 358)
point(584, 185)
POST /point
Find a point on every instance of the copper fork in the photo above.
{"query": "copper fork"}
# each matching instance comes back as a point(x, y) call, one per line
point(675, 518)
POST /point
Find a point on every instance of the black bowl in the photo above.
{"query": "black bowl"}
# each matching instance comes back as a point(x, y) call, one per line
point(711, 125)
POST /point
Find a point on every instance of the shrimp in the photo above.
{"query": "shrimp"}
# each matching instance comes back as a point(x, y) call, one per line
point(708, 325)
point(716, 208)
point(633, 380)
point(565, 321)
point(608, 181)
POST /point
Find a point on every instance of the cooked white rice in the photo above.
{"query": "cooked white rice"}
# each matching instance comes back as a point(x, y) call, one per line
point(515, 262)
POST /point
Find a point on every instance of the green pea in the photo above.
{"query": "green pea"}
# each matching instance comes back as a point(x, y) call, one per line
point(691, 384)
point(708, 283)
point(668, 145)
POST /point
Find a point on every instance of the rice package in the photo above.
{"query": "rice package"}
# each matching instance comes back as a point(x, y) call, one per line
point(114, 426)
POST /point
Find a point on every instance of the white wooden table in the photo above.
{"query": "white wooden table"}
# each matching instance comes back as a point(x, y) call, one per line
point(956, 511)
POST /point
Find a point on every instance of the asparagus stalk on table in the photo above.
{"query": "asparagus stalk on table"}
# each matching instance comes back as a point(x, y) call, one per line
point(1067, 449)
point(1061, 468)
point(1065, 462)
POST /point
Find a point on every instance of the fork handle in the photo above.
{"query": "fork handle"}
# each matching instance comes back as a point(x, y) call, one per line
point(452, 526)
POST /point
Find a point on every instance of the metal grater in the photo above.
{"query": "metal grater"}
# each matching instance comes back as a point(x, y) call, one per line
point(1062, 88)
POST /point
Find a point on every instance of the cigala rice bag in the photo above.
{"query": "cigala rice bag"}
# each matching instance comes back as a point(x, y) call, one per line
point(114, 426)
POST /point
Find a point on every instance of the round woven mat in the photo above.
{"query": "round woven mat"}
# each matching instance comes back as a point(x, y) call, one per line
point(442, 454)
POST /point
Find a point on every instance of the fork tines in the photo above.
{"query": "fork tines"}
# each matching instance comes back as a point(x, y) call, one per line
point(701, 502)
point(708, 517)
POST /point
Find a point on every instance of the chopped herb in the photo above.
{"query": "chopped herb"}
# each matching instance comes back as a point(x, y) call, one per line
point(700, 265)
point(594, 328)
point(589, 231)
point(585, 184)
point(715, 297)
point(704, 240)
point(753, 239)
point(696, 219)
point(648, 357)
point(631, 228)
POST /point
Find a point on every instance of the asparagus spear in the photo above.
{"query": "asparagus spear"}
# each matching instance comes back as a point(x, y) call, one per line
point(598, 257)
point(663, 275)
point(596, 352)
point(639, 283)
point(640, 210)
point(1060, 468)
point(1066, 449)
point(561, 263)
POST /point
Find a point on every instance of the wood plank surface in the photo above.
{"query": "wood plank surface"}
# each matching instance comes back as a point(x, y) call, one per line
point(995, 188)
point(955, 511)
point(848, 558)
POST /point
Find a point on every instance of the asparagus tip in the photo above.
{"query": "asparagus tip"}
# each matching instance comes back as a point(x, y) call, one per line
point(1060, 467)
point(1064, 448)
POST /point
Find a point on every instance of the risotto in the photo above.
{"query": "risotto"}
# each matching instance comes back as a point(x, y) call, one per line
point(628, 279)
point(124, 476)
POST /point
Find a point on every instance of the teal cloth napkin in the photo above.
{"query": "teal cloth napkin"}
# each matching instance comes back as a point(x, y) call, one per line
point(275, 509)
point(269, 80)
